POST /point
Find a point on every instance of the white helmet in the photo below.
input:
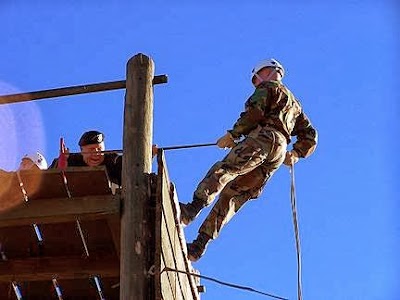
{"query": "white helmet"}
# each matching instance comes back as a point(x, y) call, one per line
point(38, 159)
point(268, 63)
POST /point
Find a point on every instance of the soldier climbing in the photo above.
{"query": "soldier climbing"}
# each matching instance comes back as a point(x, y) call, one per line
point(272, 116)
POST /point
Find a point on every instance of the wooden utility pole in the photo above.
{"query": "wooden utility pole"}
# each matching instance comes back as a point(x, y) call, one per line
point(137, 147)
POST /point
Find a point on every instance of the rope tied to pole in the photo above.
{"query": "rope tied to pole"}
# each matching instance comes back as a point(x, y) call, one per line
point(296, 231)
point(177, 147)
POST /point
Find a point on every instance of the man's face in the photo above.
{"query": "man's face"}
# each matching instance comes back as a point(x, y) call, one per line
point(92, 155)
point(264, 75)
point(27, 164)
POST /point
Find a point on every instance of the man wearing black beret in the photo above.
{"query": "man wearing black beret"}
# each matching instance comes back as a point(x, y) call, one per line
point(91, 144)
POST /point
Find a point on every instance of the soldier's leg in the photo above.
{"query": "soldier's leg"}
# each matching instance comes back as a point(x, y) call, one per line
point(233, 197)
point(242, 159)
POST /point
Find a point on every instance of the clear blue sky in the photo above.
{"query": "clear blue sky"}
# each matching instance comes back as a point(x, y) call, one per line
point(342, 61)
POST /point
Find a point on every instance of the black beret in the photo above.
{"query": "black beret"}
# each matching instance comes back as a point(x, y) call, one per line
point(91, 137)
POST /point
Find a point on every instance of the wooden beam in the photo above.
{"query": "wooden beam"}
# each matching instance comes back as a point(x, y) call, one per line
point(61, 267)
point(114, 223)
point(138, 135)
point(72, 90)
point(61, 210)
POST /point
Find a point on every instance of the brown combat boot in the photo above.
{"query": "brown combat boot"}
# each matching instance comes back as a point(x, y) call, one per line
point(197, 248)
point(189, 211)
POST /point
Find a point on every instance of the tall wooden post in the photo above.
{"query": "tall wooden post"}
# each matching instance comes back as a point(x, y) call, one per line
point(138, 135)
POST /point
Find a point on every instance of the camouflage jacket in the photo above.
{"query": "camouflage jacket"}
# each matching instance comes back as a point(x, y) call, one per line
point(272, 104)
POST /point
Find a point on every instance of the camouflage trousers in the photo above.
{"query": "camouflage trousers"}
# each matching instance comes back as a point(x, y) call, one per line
point(240, 176)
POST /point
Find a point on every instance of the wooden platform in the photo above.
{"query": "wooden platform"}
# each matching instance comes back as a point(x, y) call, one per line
point(42, 198)
point(83, 203)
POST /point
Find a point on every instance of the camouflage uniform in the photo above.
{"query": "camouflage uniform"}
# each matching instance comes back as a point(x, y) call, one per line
point(272, 115)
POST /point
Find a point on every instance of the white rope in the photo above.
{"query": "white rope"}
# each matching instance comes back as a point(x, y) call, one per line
point(296, 231)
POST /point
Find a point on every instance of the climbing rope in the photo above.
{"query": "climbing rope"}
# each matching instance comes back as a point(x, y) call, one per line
point(163, 148)
point(236, 286)
point(187, 146)
point(296, 231)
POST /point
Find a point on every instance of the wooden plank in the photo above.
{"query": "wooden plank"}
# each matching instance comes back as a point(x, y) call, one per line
point(71, 289)
point(168, 258)
point(10, 191)
point(171, 241)
point(84, 181)
point(67, 267)
point(167, 281)
point(170, 206)
point(18, 242)
point(43, 184)
point(171, 237)
point(81, 181)
point(61, 210)
point(114, 223)
point(49, 184)
point(59, 239)
point(172, 249)
point(193, 281)
point(159, 278)
point(171, 246)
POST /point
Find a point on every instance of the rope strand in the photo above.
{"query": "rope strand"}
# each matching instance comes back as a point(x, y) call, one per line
point(188, 146)
point(296, 231)
point(120, 151)
point(224, 283)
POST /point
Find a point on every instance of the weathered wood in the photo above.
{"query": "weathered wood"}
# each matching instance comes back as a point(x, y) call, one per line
point(158, 260)
point(59, 239)
point(114, 223)
point(192, 287)
point(75, 289)
point(61, 210)
point(172, 248)
point(170, 244)
point(63, 267)
point(81, 181)
point(173, 253)
point(72, 90)
point(137, 141)
point(49, 184)
point(10, 191)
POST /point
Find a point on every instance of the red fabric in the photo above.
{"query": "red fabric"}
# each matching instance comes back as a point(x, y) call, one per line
point(62, 159)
